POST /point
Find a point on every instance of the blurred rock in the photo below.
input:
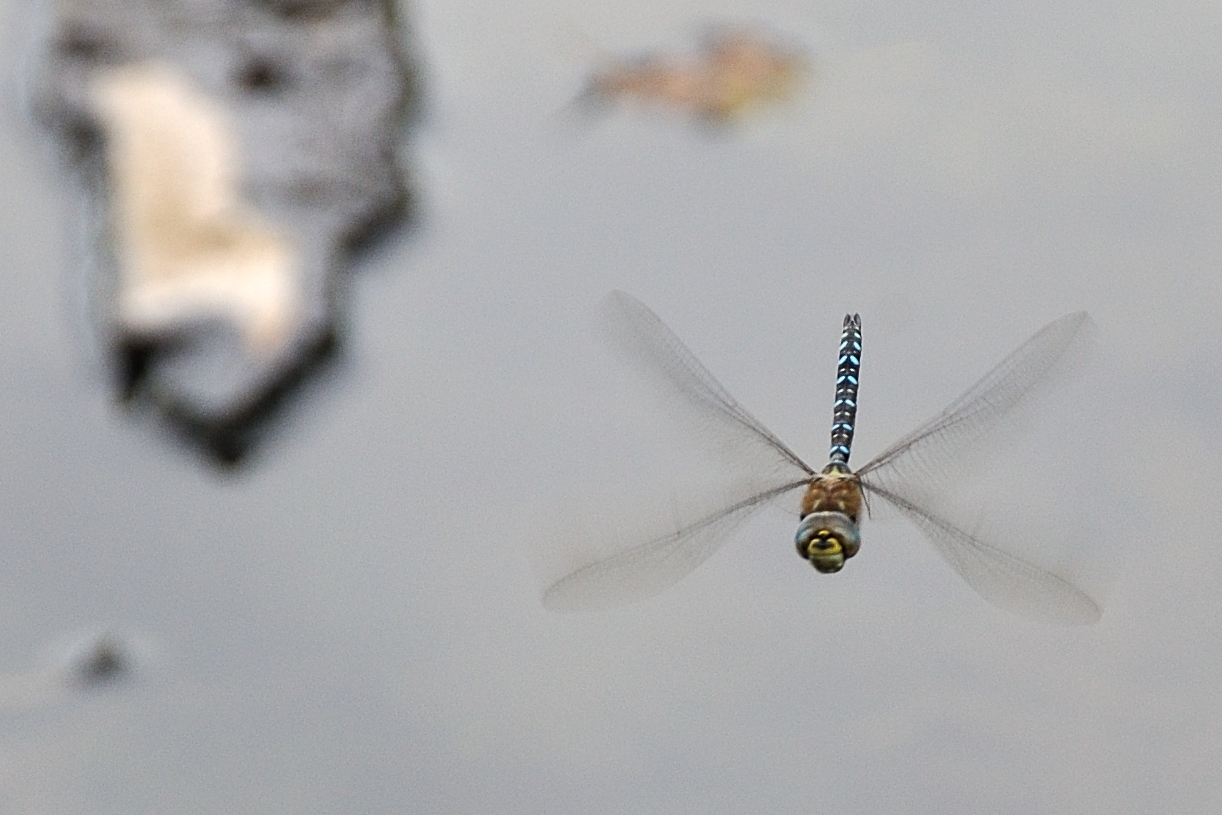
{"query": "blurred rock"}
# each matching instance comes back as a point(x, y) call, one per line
point(103, 661)
point(236, 153)
point(736, 69)
point(88, 663)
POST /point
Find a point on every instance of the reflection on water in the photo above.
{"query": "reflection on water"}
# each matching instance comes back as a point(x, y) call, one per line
point(735, 70)
point(235, 155)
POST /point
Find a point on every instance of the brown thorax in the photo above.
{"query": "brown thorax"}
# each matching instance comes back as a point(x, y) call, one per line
point(833, 490)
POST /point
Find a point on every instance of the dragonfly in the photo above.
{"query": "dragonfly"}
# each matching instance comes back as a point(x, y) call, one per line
point(911, 477)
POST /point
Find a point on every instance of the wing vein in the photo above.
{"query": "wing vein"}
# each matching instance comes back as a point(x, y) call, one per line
point(656, 564)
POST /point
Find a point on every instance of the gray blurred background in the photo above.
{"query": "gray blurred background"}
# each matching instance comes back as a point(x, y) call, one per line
point(352, 623)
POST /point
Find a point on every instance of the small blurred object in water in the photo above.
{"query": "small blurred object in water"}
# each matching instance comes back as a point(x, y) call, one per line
point(236, 154)
point(88, 663)
point(737, 69)
point(102, 661)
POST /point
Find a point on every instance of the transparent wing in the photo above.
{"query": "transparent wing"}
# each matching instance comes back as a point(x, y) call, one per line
point(623, 559)
point(934, 446)
point(1001, 577)
point(655, 564)
point(917, 474)
point(699, 401)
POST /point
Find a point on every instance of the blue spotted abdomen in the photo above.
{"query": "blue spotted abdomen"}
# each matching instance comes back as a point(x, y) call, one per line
point(844, 414)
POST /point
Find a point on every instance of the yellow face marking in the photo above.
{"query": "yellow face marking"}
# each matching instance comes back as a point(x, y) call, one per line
point(824, 544)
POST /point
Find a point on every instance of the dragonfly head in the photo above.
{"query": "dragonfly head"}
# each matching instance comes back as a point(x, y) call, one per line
point(827, 540)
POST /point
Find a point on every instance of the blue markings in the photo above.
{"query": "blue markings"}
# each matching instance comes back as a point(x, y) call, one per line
point(845, 411)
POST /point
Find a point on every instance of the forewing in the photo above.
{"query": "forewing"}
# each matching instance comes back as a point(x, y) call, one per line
point(934, 448)
point(644, 548)
point(699, 403)
point(999, 576)
point(647, 568)
point(918, 474)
